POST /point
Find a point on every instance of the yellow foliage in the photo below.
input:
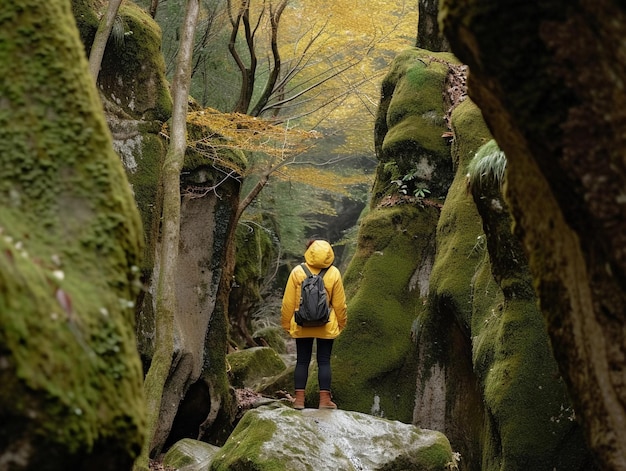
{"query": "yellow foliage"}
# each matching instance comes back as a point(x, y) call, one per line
point(335, 54)
point(280, 147)
point(368, 35)
point(322, 179)
point(277, 143)
point(249, 131)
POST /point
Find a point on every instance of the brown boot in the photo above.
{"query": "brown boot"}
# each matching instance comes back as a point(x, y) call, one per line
point(299, 402)
point(325, 402)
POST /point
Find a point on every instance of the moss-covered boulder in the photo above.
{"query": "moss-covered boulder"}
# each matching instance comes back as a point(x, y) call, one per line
point(549, 79)
point(136, 99)
point(374, 360)
point(190, 455)
point(280, 438)
point(487, 375)
point(273, 337)
point(410, 131)
point(132, 74)
point(248, 366)
point(278, 385)
point(71, 242)
point(448, 397)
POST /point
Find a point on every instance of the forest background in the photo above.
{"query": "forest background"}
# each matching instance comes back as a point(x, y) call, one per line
point(323, 101)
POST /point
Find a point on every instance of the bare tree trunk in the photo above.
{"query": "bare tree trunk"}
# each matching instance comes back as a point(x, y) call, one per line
point(154, 5)
point(275, 73)
point(102, 36)
point(166, 302)
point(248, 74)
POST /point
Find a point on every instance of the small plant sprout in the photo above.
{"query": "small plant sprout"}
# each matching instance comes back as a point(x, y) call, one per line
point(421, 192)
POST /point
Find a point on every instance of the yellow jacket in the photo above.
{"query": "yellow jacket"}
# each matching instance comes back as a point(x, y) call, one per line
point(318, 256)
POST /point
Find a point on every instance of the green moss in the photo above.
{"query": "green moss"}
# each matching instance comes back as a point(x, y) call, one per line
point(249, 365)
point(187, 452)
point(436, 457)
point(274, 337)
point(470, 132)
point(374, 356)
point(247, 441)
point(410, 123)
point(522, 389)
point(461, 242)
point(145, 181)
point(133, 70)
point(71, 243)
point(71, 339)
point(86, 21)
point(527, 413)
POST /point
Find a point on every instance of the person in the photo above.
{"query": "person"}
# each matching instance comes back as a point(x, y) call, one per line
point(318, 255)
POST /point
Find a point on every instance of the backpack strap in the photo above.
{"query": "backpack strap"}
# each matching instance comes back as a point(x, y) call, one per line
point(307, 272)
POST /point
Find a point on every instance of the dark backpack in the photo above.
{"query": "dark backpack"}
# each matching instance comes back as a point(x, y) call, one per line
point(313, 310)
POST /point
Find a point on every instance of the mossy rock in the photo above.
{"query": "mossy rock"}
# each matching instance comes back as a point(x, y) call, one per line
point(273, 337)
point(274, 386)
point(71, 242)
point(252, 364)
point(373, 360)
point(275, 438)
point(524, 417)
point(133, 69)
point(192, 455)
point(410, 126)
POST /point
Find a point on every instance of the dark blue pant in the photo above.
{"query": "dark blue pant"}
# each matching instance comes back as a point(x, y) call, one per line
point(304, 348)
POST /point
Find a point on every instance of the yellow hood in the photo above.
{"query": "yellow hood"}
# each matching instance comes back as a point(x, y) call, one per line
point(319, 255)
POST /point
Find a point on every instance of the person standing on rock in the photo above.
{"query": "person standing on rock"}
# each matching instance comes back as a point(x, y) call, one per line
point(318, 256)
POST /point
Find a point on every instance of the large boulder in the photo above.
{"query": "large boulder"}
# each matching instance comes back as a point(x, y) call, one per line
point(281, 438)
point(374, 360)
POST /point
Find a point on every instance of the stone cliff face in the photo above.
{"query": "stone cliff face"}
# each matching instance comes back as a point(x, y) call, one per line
point(549, 77)
point(442, 293)
point(137, 102)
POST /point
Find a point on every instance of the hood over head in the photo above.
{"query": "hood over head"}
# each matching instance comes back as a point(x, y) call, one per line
point(319, 254)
